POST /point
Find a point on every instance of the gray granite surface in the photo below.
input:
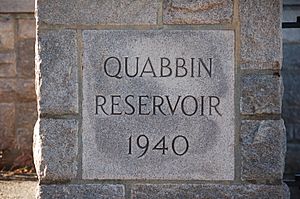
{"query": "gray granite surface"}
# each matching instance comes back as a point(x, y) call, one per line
point(118, 107)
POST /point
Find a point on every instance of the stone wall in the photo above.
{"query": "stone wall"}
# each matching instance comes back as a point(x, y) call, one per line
point(64, 35)
point(291, 80)
point(17, 92)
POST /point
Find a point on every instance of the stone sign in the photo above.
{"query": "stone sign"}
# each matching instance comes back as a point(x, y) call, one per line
point(159, 99)
point(158, 104)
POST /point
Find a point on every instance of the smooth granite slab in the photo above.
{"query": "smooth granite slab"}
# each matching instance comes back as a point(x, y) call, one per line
point(172, 118)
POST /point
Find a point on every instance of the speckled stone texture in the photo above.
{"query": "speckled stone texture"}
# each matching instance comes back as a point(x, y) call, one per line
point(91, 12)
point(211, 191)
point(263, 149)
point(56, 149)
point(210, 155)
point(261, 33)
point(86, 191)
point(56, 72)
point(100, 124)
point(197, 11)
point(261, 94)
point(18, 189)
point(15, 6)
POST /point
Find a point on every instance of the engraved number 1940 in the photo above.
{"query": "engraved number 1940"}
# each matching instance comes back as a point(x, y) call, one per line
point(143, 143)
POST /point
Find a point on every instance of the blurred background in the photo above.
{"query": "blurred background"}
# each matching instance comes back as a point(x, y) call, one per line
point(291, 97)
point(17, 91)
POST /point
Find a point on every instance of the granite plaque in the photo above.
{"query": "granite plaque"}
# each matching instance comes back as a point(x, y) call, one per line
point(158, 104)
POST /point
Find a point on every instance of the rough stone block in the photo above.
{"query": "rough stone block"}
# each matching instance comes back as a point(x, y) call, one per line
point(260, 36)
point(263, 149)
point(87, 191)
point(7, 90)
point(17, 6)
point(6, 32)
point(197, 11)
point(26, 28)
point(98, 12)
point(25, 90)
point(7, 64)
point(57, 66)
point(26, 116)
point(204, 139)
point(261, 94)
point(13, 189)
point(56, 149)
point(211, 191)
point(7, 125)
point(25, 65)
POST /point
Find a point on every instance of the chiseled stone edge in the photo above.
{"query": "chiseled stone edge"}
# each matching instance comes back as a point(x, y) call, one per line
point(57, 72)
point(198, 12)
point(261, 94)
point(91, 12)
point(55, 149)
point(211, 191)
point(261, 38)
point(263, 148)
point(114, 191)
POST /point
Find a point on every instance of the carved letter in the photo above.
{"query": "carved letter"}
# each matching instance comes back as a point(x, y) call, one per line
point(136, 67)
point(158, 105)
point(142, 104)
point(180, 66)
point(118, 71)
point(131, 106)
point(215, 105)
point(201, 62)
point(171, 108)
point(165, 67)
point(101, 105)
point(148, 62)
point(113, 104)
point(182, 105)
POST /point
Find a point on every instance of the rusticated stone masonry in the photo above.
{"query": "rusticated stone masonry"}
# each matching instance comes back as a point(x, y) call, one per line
point(104, 134)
